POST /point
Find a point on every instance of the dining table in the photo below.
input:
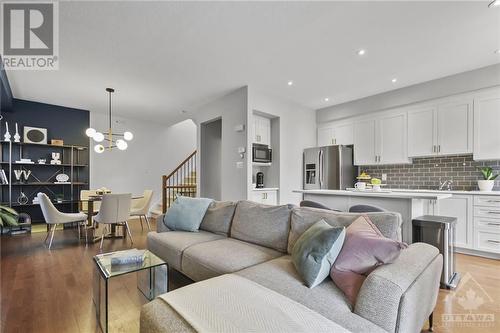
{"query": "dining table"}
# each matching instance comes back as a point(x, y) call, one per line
point(92, 226)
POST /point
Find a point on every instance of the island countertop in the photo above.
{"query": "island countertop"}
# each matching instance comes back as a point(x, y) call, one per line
point(382, 194)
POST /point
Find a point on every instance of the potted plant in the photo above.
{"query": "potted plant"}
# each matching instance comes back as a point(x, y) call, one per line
point(8, 216)
point(489, 179)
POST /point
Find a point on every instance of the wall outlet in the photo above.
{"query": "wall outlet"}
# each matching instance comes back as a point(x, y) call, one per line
point(239, 165)
point(384, 177)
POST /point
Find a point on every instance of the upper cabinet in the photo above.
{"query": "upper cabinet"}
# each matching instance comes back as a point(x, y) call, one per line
point(381, 140)
point(364, 142)
point(441, 129)
point(486, 126)
point(336, 134)
point(261, 130)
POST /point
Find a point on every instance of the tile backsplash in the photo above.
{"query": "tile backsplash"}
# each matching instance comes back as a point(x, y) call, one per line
point(426, 173)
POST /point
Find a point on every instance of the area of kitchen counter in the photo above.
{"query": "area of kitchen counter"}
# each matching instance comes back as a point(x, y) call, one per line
point(382, 194)
point(265, 189)
point(494, 193)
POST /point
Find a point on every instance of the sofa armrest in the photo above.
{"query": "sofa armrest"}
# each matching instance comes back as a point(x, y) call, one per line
point(160, 226)
point(400, 296)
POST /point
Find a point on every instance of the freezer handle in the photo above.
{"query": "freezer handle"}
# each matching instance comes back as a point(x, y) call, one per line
point(320, 170)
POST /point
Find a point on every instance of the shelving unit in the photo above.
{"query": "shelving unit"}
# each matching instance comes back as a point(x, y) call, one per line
point(74, 163)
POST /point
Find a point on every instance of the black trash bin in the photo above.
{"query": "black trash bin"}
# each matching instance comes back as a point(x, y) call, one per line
point(439, 231)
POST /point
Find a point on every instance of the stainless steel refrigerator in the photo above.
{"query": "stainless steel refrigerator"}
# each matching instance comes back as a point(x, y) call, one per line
point(329, 168)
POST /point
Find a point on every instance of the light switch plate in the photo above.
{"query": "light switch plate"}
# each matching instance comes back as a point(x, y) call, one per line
point(384, 177)
point(239, 165)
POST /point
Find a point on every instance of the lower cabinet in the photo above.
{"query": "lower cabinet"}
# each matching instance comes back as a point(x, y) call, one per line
point(487, 224)
point(267, 197)
point(459, 206)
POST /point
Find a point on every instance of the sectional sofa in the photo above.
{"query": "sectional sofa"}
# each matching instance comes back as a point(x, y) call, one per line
point(254, 241)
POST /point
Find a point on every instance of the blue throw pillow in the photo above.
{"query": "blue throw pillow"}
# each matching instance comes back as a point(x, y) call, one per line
point(316, 250)
point(186, 213)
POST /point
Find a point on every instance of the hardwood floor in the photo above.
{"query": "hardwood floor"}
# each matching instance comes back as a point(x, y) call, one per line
point(51, 291)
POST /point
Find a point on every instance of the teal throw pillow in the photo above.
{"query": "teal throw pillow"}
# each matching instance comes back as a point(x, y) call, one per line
point(316, 250)
point(186, 213)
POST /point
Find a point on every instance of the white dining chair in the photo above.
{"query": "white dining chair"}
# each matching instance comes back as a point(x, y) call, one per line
point(115, 209)
point(140, 207)
point(54, 217)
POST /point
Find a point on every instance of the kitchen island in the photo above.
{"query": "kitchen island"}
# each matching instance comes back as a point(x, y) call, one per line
point(408, 204)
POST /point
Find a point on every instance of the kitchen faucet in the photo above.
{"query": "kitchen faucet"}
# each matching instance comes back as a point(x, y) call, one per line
point(447, 183)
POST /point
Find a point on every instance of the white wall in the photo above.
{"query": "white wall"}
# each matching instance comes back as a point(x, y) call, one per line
point(297, 130)
point(155, 150)
point(232, 109)
point(450, 85)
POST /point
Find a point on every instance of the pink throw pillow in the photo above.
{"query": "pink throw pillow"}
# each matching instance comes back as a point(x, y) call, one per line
point(364, 249)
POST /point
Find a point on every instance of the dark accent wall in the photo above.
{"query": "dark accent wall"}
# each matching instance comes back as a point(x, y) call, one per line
point(425, 173)
point(68, 124)
point(5, 92)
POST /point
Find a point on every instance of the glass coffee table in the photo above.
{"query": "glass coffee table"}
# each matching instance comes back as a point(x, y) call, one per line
point(152, 280)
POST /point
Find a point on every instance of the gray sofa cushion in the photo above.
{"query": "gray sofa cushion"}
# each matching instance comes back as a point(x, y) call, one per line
point(262, 224)
point(170, 245)
point(302, 218)
point(207, 260)
point(218, 217)
point(281, 276)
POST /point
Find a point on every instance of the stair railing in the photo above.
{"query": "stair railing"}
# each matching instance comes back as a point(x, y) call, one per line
point(181, 181)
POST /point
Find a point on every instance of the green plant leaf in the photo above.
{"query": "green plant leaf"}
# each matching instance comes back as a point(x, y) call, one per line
point(1, 221)
point(10, 220)
point(10, 210)
point(493, 177)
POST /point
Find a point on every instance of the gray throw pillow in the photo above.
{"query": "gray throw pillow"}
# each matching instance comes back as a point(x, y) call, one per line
point(186, 213)
point(218, 217)
point(316, 250)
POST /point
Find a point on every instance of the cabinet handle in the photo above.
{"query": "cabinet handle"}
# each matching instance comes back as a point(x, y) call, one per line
point(335, 141)
point(495, 224)
point(439, 148)
point(493, 201)
point(496, 213)
point(493, 241)
point(433, 148)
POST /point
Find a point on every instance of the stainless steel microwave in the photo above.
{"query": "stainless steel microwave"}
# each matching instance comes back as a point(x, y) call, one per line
point(262, 153)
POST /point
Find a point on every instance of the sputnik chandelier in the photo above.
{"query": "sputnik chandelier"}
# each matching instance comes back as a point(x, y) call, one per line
point(114, 140)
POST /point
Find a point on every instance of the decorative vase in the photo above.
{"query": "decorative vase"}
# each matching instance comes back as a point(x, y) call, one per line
point(26, 174)
point(22, 199)
point(7, 135)
point(18, 174)
point(17, 137)
point(485, 185)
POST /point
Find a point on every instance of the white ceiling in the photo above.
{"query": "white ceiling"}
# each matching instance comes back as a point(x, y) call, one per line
point(163, 57)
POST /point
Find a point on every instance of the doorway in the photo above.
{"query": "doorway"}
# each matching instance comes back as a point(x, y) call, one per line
point(210, 162)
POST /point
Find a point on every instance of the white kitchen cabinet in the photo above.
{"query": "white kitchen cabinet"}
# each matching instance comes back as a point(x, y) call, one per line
point(262, 130)
point(487, 224)
point(441, 129)
point(421, 136)
point(336, 134)
point(486, 126)
point(459, 206)
point(267, 197)
point(381, 140)
point(326, 136)
point(391, 137)
point(364, 142)
point(454, 127)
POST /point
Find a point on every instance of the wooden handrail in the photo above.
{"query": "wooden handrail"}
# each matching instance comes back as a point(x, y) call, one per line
point(175, 185)
point(180, 165)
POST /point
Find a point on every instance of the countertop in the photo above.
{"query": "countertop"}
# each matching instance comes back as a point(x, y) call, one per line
point(266, 189)
point(452, 192)
point(393, 194)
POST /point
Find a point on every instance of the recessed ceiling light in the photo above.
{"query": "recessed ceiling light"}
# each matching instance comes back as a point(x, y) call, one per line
point(290, 83)
point(326, 99)
point(494, 3)
point(394, 80)
point(361, 52)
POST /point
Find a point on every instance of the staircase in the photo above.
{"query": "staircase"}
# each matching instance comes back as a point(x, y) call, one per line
point(181, 181)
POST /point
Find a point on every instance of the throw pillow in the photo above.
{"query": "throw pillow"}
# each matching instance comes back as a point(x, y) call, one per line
point(186, 213)
point(316, 250)
point(365, 248)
